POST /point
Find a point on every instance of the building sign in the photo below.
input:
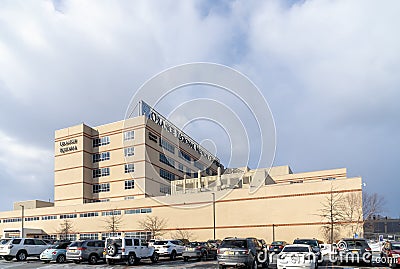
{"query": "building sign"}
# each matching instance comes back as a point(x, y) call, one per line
point(68, 145)
point(153, 115)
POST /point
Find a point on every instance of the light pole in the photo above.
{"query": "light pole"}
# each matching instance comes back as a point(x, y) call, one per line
point(273, 232)
point(22, 220)
point(213, 194)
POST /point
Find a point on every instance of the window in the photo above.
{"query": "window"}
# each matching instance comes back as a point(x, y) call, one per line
point(89, 236)
point(167, 160)
point(129, 151)
point(31, 218)
point(98, 157)
point(184, 156)
point(68, 216)
point(166, 145)
point(129, 184)
point(188, 172)
point(165, 189)
point(49, 217)
point(138, 211)
point(129, 168)
point(199, 165)
point(97, 142)
point(111, 213)
point(166, 174)
point(180, 167)
point(103, 187)
point(141, 235)
point(69, 237)
point(12, 220)
point(101, 172)
point(129, 135)
point(89, 215)
point(153, 137)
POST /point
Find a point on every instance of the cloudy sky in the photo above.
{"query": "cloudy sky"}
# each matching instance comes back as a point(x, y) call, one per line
point(328, 69)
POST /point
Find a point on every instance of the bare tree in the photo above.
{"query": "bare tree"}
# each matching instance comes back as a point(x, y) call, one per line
point(153, 224)
point(183, 234)
point(353, 212)
point(332, 214)
point(65, 228)
point(373, 204)
point(113, 222)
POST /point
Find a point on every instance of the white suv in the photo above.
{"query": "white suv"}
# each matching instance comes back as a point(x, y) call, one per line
point(170, 248)
point(21, 248)
point(128, 249)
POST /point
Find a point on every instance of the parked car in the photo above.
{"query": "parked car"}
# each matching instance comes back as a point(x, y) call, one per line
point(277, 246)
point(199, 250)
point(21, 248)
point(169, 248)
point(86, 250)
point(129, 249)
point(297, 256)
point(314, 243)
point(354, 250)
point(241, 252)
point(390, 253)
point(56, 252)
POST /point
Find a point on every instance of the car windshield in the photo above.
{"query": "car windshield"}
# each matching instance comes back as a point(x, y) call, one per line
point(161, 242)
point(396, 246)
point(355, 243)
point(4, 241)
point(76, 244)
point(306, 242)
point(194, 244)
point(234, 244)
point(295, 249)
point(277, 243)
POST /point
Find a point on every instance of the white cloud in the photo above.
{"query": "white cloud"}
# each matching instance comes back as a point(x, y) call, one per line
point(328, 68)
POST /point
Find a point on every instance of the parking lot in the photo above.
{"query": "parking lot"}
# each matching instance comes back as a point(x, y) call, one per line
point(163, 263)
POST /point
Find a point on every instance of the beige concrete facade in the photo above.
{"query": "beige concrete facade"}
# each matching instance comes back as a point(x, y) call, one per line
point(291, 202)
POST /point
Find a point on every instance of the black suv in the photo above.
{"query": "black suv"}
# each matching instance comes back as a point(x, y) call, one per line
point(354, 250)
point(242, 252)
point(314, 243)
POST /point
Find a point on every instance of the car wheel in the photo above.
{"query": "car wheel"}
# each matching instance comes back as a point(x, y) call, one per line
point(8, 258)
point(131, 259)
point(60, 258)
point(77, 262)
point(154, 258)
point(93, 259)
point(21, 255)
point(173, 255)
point(46, 261)
point(185, 259)
point(204, 256)
point(221, 267)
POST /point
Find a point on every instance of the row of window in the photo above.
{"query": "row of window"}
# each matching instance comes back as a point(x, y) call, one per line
point(138, 211)
point(167, 160)
point(89, 215)
point(167, 175)
point(102, 187)
point(83, 215)
point(105, 171)
point(105, 187)
point(102, 141)
point(95, 236)
point(99, 157)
